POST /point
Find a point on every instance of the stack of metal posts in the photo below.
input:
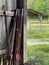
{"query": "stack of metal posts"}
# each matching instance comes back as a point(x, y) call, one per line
point(14, 35)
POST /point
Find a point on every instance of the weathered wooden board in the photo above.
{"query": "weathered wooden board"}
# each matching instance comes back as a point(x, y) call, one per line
point(25, 24)
point(11, 6)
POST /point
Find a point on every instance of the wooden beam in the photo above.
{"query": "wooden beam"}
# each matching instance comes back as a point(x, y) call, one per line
point(3, 51)
point(24, 33)
point(8, 13)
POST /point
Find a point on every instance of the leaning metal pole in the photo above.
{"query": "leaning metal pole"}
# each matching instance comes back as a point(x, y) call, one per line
point(12, 45)
point(5, 62)
point(11, 42)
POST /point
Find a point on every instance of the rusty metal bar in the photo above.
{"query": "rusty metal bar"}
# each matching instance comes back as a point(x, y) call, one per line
point(6, 29)
point(12, 44)
point(6, 35)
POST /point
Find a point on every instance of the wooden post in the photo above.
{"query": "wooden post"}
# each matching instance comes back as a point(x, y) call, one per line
point(24, 38)
point(40, 18)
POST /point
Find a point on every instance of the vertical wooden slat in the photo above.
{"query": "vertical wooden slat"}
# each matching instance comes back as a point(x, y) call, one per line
point(24, 33)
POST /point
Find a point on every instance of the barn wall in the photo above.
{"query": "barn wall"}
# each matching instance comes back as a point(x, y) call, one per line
point(2, 27)
point(11, 4)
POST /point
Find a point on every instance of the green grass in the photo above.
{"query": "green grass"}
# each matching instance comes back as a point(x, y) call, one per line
point(38, 52)
point(37, 35)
